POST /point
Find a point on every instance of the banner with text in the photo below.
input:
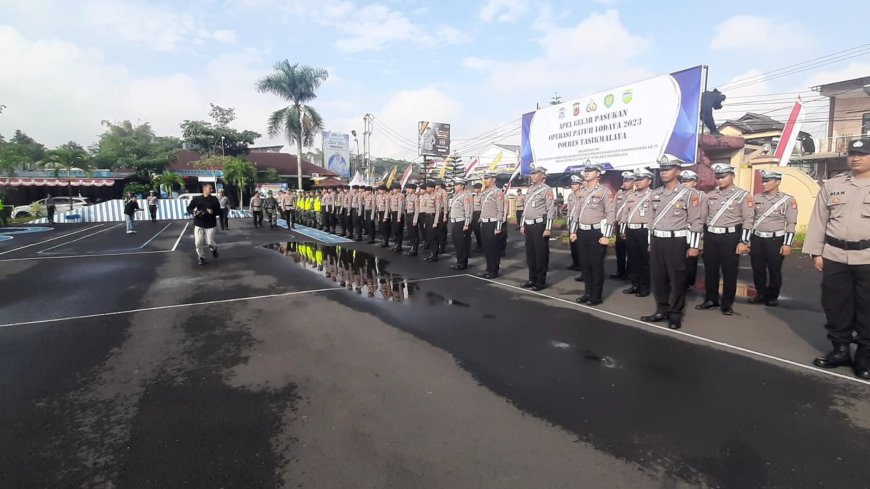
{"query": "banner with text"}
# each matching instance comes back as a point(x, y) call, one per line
point(623, 128)
point(433, 138)
point(336, 153)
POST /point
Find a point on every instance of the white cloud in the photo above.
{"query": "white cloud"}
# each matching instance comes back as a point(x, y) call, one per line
point(760, 34)
point(850, 72)
point(475, 63)
point(154, 26)
point(596, 53)
point(504, 10)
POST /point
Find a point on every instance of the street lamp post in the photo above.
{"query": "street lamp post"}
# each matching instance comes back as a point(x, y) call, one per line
point(357, 149)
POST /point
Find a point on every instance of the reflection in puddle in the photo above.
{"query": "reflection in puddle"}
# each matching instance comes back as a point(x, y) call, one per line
point(357, 271)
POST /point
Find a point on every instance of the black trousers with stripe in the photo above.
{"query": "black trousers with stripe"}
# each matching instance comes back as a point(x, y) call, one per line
point(766, 265)
point(720, 255)
point(592, 254)
point(537, 252)
point(668, 271)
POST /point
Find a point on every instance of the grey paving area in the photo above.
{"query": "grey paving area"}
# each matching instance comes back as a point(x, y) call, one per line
point(290, 363)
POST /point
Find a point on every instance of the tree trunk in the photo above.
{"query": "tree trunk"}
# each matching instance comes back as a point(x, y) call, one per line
point(299, 158)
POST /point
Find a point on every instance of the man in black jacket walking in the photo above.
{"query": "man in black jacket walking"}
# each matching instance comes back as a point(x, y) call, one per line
point(205, 209)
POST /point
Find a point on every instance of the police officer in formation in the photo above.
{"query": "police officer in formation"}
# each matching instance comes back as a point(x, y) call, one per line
point(634, 219)
point(575, 185)
point(461, 210)
point(773, 232)
point(621, 245)
point(475, 217)
point(412, 218)
point(430, 212)
point(492, 224)
point(591, 225)
point(689, 179)
point(675, 233)
point(837, 240)
point(537, 221)
point(396, 209)
point(728, 215)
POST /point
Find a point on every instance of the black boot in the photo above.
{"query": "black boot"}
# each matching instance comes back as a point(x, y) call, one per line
point(837, 357)
point(412, 251)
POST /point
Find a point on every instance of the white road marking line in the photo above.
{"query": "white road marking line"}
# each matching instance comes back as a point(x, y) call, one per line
point(683, 333)
point(180, 235)
point(50, 239)
point(81, 238)
point(155, 236)
point(85, 256)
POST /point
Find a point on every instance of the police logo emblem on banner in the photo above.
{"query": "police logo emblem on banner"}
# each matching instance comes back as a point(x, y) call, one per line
point(591, 106)
point(608, 100)
point(627, 96)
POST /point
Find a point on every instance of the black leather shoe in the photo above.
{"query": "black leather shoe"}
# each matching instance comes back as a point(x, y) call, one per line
point(772, 303)
point(838, 357)
point(528, 284)
point(620, 276)
point(728, 311)
point(642, 293)
point(371, 241)
point(539, 287)
point(861, 365)
point(757, 300)
point(214, 252)
point(630, 290)
point(458, 267)
point(578, 278)
point(675, 324)
point(707, 305)
point(583, 299)
point(413, 252)
point(201, 261)
point(594, 302)
point(487, 276)
point(654, 318)
point(573, 267)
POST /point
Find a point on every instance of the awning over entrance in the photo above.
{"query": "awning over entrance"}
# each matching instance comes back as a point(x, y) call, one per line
point(55, 182)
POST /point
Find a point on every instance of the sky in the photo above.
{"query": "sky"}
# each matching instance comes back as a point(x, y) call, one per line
point(478, 65)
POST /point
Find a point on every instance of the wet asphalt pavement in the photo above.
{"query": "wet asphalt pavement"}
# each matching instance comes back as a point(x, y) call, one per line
point(366, 369)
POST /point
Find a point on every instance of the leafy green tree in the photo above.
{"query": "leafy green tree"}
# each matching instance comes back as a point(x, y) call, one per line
point(67, 160)
point(207, 138)
point(270, 175)
point(136, 188)
point(125, 145)
point(21, 152)
point(298, 122)
point(168, 180)
point(241, 174)
point(72, 145)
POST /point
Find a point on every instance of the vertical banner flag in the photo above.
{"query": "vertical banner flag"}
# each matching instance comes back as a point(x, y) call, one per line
point(496, 161)
point(513, 175)
point(443, 170)
point(790, 133)
point(392, 176)
point(406, 175)
point(384, 178)
point(336, 153)
point(471, 166)
point(622, 128)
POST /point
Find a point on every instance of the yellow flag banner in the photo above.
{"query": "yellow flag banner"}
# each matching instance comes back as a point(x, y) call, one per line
point(392, 176)
point(443, 170)
point(496, 161)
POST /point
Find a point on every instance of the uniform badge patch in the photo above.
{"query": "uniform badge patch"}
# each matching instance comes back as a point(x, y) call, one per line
point(750, 202)
point(794, 203)
point(695, 201)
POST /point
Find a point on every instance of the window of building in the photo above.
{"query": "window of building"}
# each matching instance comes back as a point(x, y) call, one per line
point(865, 125)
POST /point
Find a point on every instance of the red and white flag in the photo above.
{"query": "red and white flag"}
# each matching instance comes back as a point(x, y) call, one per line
point(790, 133)
point(406, 176)
point(513, 175)
point(471, 167)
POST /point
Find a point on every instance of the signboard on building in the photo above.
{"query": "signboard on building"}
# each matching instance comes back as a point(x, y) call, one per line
point(433, 139)
point(200, 173)
point(336, 153)
point(264, 188)
point(622, 128)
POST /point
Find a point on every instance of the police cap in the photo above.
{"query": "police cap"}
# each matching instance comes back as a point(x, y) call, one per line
point(860, 146)
point(770, 175)
point(722, 169)
point(688, 175)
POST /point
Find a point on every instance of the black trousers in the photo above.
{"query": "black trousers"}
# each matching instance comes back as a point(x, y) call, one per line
point(352, 222)
point(766, 265)
point(342, 217)
point(519, 216)
point(502, 240)
point(461, 242)
point(846, 301)
point(152, 209)
point(384, 227)
point(592, 255)
point(225, 218)
point(691, 271)
point(668, 270)
point(50, 210)
point(412, 230)
point(575, 254)
point(475, 228)
point(396, 228)
point(637, 241)
point(720, 253)
point(491, 250)
point(356, 225)
point(621, 252)
point(442, 235)
point(430, 234)
point(537, 252)
point(258, 218)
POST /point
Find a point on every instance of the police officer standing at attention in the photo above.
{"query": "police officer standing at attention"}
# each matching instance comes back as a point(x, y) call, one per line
point(430, 209)
point(397, 216)
point(492, 213)
point(634, 225)
point(675, 232)
point(441, 189)
point(576, 184)
point(475, 216)
point(521, 205)
point(689, 179)
point(382, 203)
point(591, 225)
point(772, 237)
point(837, 239)
point(537, 218)
point(729, 214)
point(461, 209)
point(372, 222)
point(619, 203)
point(412, 218)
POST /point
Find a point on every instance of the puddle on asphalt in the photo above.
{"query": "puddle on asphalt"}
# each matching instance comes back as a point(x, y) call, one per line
point(359, 272)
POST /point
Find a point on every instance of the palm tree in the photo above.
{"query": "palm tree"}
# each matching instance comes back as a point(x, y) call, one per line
point(68, 159)
point(240, 173)
point(299, 122)
point(169, 180)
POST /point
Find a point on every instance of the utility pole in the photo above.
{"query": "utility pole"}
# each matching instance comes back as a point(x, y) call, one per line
point(368, 121)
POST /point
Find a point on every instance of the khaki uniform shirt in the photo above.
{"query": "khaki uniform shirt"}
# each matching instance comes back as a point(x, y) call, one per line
point(636, 210)
point(477, 204)
point(429, 203)
point(381, 202)
point(521, 202)
point(256, 204)
point(368, 202)
point(492, 206)
point(328, 201)
point(461, 207)
point(619, 201)
point(593, 206)
point(738, 213)
point(685, 213)
point(842, 212)
point(442, 199)
point(289, 201)
point(572, 203)
point(776, 213)
point(541, 204)
point(412, 207)
point(396, 204)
